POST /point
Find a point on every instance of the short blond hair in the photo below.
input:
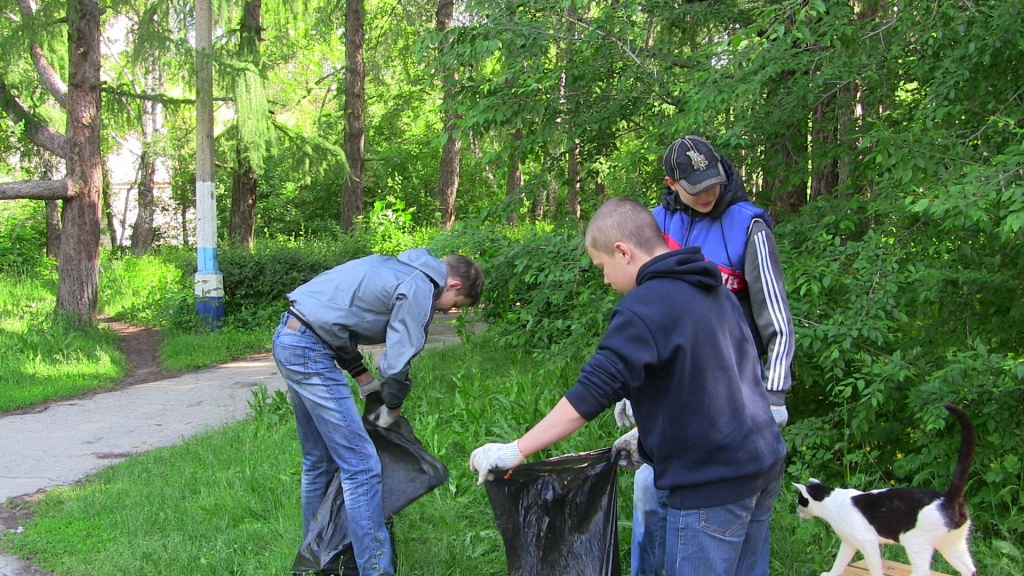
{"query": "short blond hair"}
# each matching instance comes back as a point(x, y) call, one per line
point(624, 220)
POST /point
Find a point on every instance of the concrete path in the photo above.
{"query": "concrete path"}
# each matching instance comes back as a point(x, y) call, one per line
point(67, 441)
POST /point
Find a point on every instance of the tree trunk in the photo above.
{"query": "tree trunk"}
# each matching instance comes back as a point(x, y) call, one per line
point(143, 231)
point(572, 199)
point(824, 168)
point(244, 183)
point(448, 179)
point(572, 196)
point(355, 113)
point(244, 186)
point(514, 181)
point(54, 169)
point(52, 228)
point(78, 262)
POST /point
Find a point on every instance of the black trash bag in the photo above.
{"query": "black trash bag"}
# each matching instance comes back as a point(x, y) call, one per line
point(559, 516)
point(408, 472)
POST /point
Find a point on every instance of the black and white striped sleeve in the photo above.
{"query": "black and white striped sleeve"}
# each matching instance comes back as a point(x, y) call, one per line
point(763, 270)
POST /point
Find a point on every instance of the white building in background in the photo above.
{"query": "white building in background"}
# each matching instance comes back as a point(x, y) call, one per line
point(123, 172)
point(122, 169)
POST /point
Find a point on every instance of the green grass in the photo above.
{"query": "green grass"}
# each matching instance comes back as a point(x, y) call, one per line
point(227, 502)
point(184, 352)
point(42, 360)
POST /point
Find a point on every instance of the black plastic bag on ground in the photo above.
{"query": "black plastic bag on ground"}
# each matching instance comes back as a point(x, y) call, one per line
point(408, 472)
point(559, 516)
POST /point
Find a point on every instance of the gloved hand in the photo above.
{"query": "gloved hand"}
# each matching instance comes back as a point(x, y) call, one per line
point(369, 388)
point(385, 416)
point(625, 448)
point(624, 414)
point(494, 457)
point(781, 415)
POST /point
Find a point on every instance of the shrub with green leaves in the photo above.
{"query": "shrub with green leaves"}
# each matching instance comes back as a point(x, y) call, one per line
point(22, 235)
point(892, 322)
point(541, 292)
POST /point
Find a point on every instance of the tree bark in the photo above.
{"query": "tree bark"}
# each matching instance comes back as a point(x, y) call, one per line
point(514, 181)
point(355, 114)
point(78, 262)
point(572, 198)
point(824, 131)
point(34, 129)
point(49, 77)
point(448, 180)
point(244, 183)
point(35, 190)
point(244, 187)
point(52, 224)
point(143, 231)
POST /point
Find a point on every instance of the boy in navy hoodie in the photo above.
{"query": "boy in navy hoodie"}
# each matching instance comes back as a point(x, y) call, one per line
point(678, 348)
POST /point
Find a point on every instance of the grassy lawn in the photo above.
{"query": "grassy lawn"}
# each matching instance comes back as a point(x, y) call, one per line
point(227, 502)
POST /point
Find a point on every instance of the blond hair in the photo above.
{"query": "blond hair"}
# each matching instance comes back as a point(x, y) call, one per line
point(624, 220)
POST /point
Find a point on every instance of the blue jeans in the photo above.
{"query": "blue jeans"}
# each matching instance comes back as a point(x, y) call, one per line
point(650, 515)
point(727, 540)
point(333, 440)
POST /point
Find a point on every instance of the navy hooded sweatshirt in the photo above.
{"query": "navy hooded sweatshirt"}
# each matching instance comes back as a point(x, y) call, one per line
point(679, 349)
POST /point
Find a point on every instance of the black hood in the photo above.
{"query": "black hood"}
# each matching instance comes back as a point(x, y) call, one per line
point(732, 192)
point(686, 264)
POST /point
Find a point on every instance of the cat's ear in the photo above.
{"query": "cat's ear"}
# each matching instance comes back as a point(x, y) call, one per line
point(815, 481)
point(801, 488)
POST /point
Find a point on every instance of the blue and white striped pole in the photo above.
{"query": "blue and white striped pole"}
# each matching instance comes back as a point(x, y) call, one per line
point(209, 283)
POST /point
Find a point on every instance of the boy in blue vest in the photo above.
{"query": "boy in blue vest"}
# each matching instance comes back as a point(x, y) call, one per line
point(706, 205)
point(678, 348)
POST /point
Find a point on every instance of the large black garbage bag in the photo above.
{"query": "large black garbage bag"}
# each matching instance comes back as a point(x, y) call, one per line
point(558, 516)
point(408, 472)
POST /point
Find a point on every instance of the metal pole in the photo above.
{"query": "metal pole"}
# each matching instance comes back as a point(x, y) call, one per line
point(209, 283)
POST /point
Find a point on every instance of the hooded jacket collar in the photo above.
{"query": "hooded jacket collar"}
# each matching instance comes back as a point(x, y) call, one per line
point(686, 264)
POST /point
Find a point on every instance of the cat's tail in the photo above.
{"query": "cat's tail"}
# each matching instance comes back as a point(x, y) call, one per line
point(968, 442)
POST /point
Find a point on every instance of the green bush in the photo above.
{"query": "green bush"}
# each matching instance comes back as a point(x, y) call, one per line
point(255, 283)
point(541, 292)
point(891, 323)
point(22, 235)
point(138, 289)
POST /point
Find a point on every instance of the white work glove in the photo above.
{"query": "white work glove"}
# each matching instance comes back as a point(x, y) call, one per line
point(624, 414)
point(494, 457)
point(781, 415)
point(384, 417)
point(369, 388)
point(626, 451)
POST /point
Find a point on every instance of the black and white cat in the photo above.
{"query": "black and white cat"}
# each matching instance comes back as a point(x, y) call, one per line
point(922, 521)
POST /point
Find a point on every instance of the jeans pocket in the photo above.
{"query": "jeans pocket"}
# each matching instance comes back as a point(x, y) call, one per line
point(728, 519)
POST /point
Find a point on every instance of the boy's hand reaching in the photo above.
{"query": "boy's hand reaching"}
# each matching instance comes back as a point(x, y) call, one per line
point(385, 416)
point(625, 448)
point(369, 388)
point(494, 457)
